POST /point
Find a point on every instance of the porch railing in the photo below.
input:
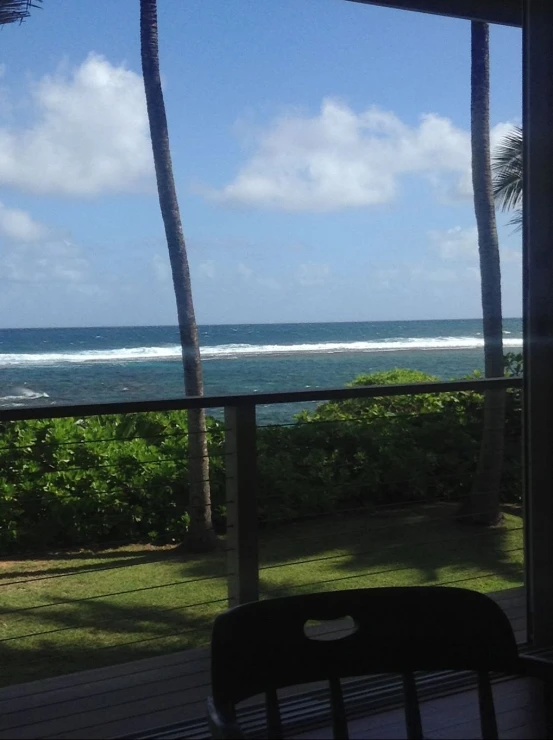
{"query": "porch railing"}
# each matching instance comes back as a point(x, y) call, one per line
point(267, 548)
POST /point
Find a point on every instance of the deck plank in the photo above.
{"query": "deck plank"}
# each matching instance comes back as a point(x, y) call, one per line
point(154, 692)
point(454, 717)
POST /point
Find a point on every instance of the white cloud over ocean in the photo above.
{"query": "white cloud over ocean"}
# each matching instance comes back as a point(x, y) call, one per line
point(340, 158)
point(87, 134)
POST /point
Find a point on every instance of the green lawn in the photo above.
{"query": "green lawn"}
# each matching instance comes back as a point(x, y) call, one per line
point(139, 601)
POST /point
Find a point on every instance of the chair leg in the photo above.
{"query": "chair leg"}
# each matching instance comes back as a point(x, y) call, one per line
point(488, 721)
point(412, 710)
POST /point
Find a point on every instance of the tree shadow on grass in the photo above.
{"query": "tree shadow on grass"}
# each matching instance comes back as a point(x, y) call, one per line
point(41, 566)
point(418, 543)
point(421, 545)
point(95, 634)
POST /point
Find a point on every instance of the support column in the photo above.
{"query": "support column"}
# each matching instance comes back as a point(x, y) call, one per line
point(538, 314)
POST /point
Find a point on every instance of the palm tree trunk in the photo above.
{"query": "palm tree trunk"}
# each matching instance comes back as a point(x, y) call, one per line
point(201, 534)
point(485, 497)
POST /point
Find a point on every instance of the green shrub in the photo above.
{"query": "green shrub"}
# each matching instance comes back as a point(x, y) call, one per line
point(82, 482)
point(380, 452)
point(67, 482)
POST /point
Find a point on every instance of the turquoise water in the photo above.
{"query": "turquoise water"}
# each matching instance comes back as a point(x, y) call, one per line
point(44, 367)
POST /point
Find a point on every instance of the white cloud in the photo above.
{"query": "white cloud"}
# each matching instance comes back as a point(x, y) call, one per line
point(89, 135)
point(17, 225)
point(312, 273)
point(455, 243)
point(208, 269)
point(499, 131)
point(460, 245)
point(341, 159)
point(43, 262)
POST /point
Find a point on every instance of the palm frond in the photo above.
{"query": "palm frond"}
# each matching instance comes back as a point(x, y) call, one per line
point(507, 171)
point(15, 11)
point(517, 220)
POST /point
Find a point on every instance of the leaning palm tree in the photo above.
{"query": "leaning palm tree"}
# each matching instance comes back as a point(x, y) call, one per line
point(485, 495)
point(15, 11)
point(200, 535)
point(507, 172)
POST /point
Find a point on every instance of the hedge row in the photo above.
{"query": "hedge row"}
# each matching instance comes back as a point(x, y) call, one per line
point(84, 482)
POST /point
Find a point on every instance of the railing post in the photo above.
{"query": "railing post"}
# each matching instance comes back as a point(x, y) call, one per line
point(241, 485)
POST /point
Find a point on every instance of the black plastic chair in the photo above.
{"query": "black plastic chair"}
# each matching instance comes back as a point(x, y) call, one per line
point(262, 646)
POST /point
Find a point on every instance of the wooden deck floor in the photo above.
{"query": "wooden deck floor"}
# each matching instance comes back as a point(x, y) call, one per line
point(517, 704)
point(133, 698)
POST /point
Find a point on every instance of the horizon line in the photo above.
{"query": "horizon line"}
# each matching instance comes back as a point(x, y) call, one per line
point(262, 323)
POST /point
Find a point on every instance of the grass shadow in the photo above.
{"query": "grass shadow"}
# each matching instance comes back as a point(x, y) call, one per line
point(118, 606)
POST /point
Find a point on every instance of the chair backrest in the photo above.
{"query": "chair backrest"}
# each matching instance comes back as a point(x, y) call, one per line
point(263, 646)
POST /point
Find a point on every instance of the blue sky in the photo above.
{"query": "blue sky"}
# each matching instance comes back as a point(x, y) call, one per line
point(321, 152)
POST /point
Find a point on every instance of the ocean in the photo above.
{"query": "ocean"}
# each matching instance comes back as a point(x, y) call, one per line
point(47, 367)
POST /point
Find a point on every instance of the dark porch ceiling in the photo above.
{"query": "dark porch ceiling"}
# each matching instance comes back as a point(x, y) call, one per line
point(506, 12)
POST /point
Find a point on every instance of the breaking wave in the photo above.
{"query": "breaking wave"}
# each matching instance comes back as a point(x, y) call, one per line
point(19, 396)
point(173, 352)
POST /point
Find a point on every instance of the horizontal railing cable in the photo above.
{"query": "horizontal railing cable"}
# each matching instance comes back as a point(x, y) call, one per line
point(113, 621)
point(391, 546)
point(137, 628)
point(394, 510)
point(384, 417)
point(432, 483)
point(438, 497)
point(86, 442)
point(295, 518)
point(386, 571)
point(284, 564)
point(114, 593)
point(82, 551)
point(119, 464)
point(100, 569)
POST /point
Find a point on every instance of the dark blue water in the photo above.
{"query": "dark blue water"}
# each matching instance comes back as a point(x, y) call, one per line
point(47, 367)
